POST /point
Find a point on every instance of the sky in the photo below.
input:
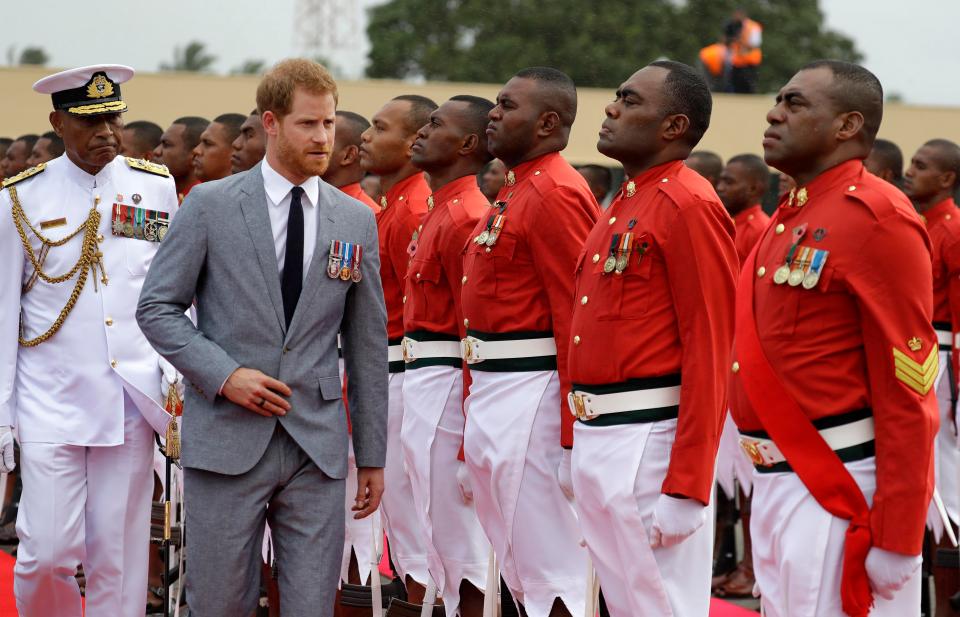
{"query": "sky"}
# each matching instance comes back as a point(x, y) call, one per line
point(913, 47)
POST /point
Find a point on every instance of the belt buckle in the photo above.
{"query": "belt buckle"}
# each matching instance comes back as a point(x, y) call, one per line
point(751, 447)
point(406, 346)
point(578, 406)
point(470, 349)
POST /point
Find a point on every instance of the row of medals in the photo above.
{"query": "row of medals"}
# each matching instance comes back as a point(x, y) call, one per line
point(347, 271)
point(797, 276)
point(152, 231)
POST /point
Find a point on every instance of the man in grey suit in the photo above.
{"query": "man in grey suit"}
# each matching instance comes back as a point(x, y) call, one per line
point(278, 263)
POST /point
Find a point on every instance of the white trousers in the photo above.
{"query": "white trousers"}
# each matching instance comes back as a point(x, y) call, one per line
point(88, 505)
point(946, 456)
point(512, 448)
point(358, 533)
point(733, 466)
point(433, 424)
point(401, 521)
point(798, 549)
point(617, 475)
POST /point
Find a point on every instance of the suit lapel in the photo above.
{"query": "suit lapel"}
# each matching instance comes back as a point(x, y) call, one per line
point(327, 230)
point(253, 204)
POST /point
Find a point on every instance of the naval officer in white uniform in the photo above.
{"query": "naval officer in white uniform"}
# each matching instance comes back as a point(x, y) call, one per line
point(79, 384)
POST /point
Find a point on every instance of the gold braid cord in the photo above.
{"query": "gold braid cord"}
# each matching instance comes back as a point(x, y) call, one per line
point(90, 259)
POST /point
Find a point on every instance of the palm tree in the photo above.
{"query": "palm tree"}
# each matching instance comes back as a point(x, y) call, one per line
point(193, 58)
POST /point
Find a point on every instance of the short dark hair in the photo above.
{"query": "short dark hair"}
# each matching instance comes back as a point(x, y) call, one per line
point(232, 122)
point(890, 156)
point(603, 174)
point(687, 93)
point(754, 165)
point(356, 125)
point(30, 139)
point(563, 92)
point(6, 141)
point(477, 110)
point(947, 157)
point(146, 134)
point(855, 89)
point(194, 125)
point(711, 162)
point(56, 143)
point(420, 109)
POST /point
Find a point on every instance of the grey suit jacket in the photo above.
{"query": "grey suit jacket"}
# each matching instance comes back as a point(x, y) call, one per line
point(220, 251)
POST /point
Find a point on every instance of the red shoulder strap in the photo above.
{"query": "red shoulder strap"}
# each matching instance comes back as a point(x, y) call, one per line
point(818, 467)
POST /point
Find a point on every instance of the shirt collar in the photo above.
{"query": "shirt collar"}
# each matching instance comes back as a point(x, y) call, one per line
point(658, 173)
point(400, 191)
point(277, 187)
point(528, 168)
point(452, 189)
point(82, 178)
point(942, 210)
point(747, 213)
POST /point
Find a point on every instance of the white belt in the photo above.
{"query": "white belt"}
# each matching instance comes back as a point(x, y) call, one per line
point(413, 349)
point(766, 453)
point(475, 350)
point(586, 405)
point(944, 337)
point(395, 353)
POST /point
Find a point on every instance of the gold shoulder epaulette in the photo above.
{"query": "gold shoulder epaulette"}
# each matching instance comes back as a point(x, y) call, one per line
point(23, 175)
point(147, 166)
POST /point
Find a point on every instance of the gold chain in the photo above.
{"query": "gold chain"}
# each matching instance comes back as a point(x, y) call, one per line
point(90, 258)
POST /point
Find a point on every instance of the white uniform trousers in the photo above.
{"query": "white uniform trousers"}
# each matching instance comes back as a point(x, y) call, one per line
point(732, 466)
point(358, 533)
point(432, 432)
point(512, 448)
point(400, 519)
point(798, 549)
point(946, 453)
point(617, 474)
point(88, 505)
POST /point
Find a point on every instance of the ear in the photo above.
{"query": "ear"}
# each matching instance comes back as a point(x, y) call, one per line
point(271, 123)
point(56, 121)
point(850, 125)
point(548, 124)
point(470, 144)
point(674, 127)
point(351, 155)
point(948, 179)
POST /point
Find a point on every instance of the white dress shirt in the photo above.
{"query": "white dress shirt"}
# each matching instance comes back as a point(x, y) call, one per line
point(278, 204)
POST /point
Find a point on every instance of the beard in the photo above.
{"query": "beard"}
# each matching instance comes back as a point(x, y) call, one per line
point(297, 161)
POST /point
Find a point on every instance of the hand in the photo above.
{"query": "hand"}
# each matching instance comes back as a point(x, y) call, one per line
point(563, 473)
point(889, 572)
point(463, 481)
point(369, 491)
point(675, 520)
point(7, 464)
point(257, 392)
point(169, 375)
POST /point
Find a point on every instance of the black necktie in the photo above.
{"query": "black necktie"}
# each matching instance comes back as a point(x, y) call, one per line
point(292, 279)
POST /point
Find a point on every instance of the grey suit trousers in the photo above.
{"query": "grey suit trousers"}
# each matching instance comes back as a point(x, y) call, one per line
point(225, 518)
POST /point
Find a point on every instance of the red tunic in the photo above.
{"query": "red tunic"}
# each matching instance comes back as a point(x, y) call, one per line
point(356, 191)
point(669, 312)
point(943, 225)
point(749, 223)
point(403, 207)
point(860, 337)
point(435, 274)
point(524, 283)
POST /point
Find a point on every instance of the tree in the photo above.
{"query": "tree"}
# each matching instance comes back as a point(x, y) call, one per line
point(249, 67)
point(35, 56)
point(193, 58)
point(596, 44)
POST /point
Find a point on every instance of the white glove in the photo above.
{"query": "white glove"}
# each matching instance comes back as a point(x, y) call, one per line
point(674, 520)
point(169, 375)
point(463, 481)
point(563, 473)
point(889, 572)
point(7, 463)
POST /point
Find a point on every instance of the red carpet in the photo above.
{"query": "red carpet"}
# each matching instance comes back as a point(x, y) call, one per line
point(718, 608)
